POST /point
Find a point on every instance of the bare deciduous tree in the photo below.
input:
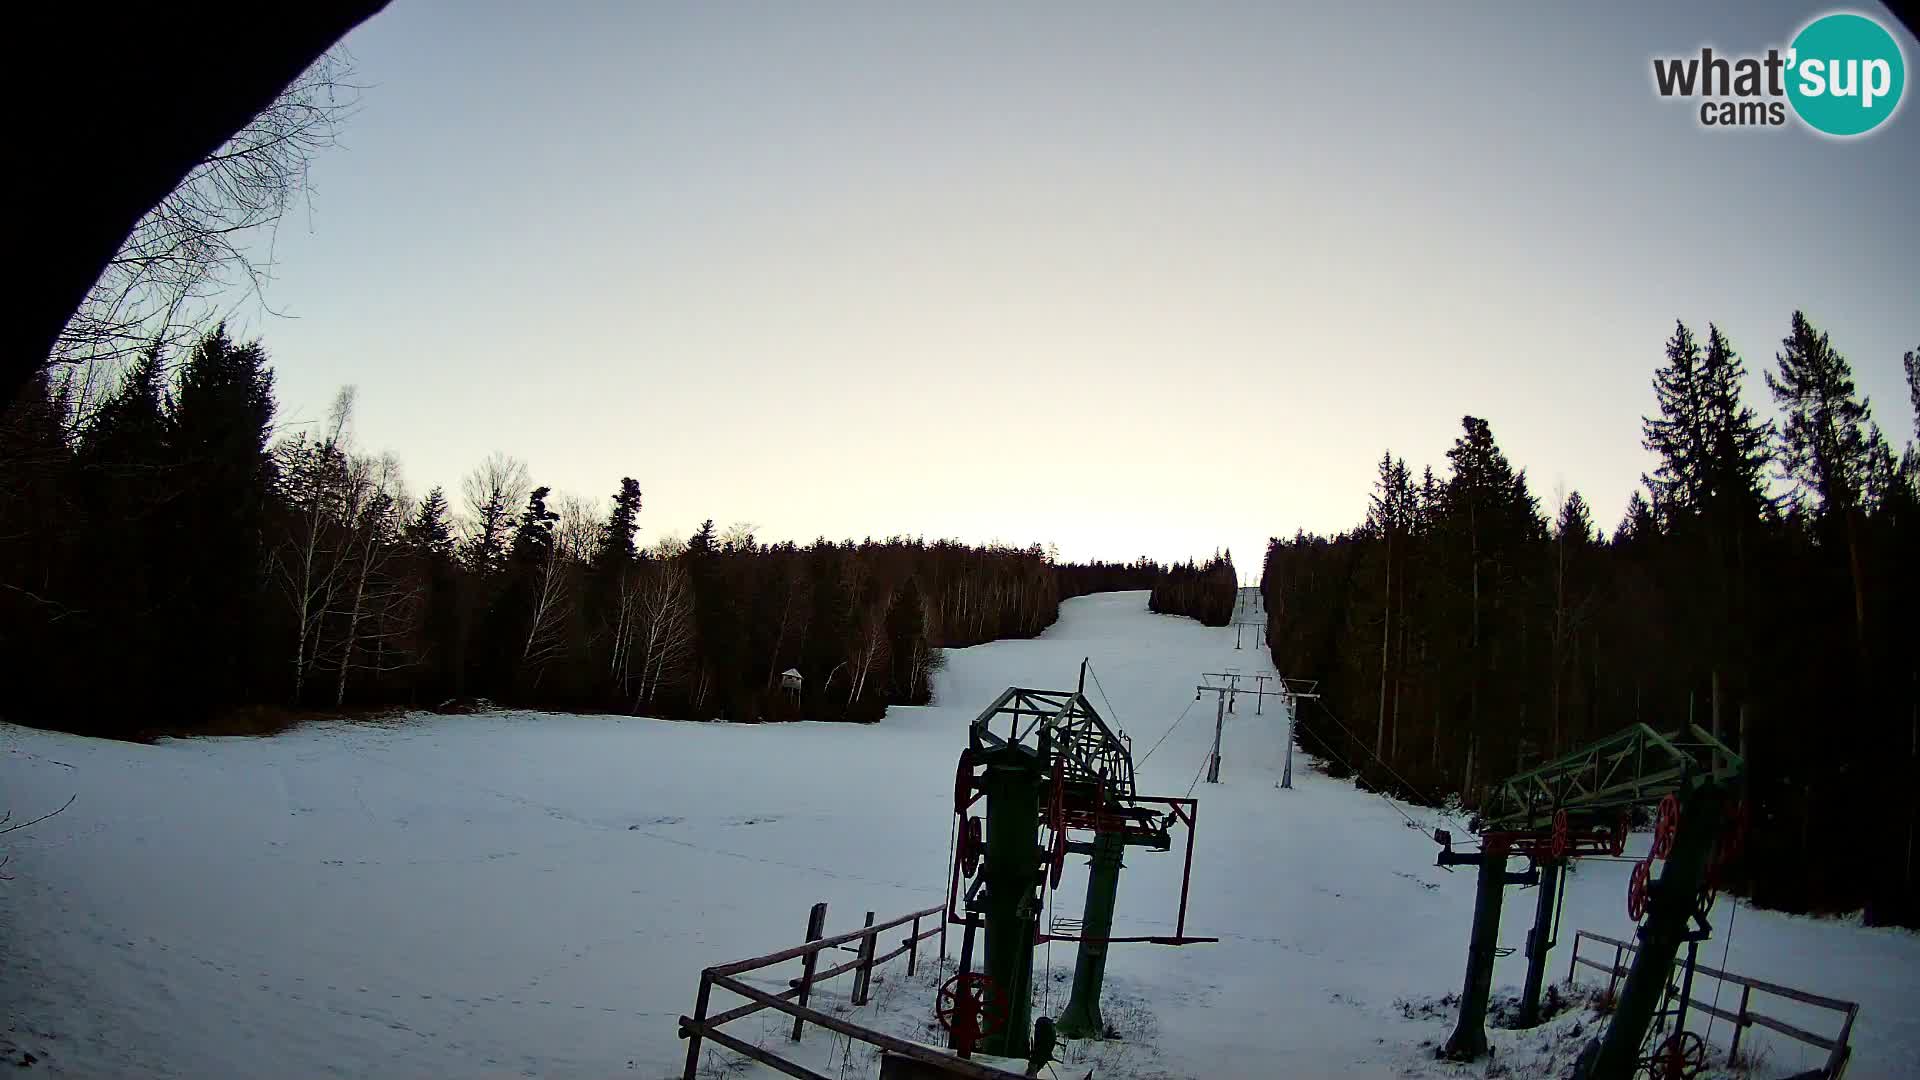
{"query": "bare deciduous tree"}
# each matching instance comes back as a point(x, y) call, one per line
point(373, 529)
point(580, 526)
point(546, 621)
point(313, 476)
point(212, 235)
point(492, 491)
point(665, 626)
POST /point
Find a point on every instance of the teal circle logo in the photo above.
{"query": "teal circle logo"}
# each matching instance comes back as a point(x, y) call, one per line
point(1845, 74)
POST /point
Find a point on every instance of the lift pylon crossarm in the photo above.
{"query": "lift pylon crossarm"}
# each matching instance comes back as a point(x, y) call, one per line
point(1093, 752)
point(1634, 766)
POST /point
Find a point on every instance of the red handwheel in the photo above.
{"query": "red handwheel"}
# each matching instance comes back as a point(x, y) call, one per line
point(1681, 1057)
point(1637, 889)
point(971, 1006)
point(1665, 825)
point(1560, 837)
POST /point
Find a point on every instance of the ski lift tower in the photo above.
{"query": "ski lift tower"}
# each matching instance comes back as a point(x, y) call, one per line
point(1579, 805)
point(1053, 764)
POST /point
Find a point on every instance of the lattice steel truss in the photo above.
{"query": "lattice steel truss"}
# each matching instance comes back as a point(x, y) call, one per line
point(1634, 766)
point(1093, 753)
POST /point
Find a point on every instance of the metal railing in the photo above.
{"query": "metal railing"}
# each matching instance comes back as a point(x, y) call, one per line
point(1837, 1047)
point(700, 1026)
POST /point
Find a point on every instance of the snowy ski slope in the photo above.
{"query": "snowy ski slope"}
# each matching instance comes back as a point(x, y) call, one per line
point(523, 894)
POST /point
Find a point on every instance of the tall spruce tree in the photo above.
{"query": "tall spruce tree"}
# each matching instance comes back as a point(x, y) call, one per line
point(616, 548)
point(1737, 443)
point(429, 532)
point(220, 425)
point(1679, 436)
point(1826, 444)
point(1824, 440)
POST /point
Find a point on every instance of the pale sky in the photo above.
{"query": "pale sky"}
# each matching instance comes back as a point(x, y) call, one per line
point(1129, 278)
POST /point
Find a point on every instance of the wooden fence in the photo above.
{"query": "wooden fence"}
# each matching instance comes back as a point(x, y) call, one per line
point(863, 943)
point(1837, 1047)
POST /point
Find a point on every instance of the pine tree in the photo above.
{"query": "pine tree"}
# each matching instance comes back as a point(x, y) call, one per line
point(1679, 483)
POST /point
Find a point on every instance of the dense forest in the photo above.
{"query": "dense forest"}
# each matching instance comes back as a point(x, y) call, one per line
point(165, 559)
point(1204, 592)
point(1763, 585)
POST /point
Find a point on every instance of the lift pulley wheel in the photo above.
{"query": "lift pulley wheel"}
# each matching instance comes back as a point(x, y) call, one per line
point(1637, 889)
point(971, 1006)
point(963, 783)
point(1665, 825)
point(1617, 843)
point(1560, 834)
point(972, 846)
point(1057, 858)
point(1683, 1056)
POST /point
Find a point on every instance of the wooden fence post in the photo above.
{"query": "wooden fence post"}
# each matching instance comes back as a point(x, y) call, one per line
point(699, 1017)
point(1740, 1023)
point(1613, 977)
point(1574, 960)
point(913, 946)
point(816, 926)
point(863, 974)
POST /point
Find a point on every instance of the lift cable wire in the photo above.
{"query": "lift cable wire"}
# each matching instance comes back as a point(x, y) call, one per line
point(1328, 747)
point(1169, 731)
point(1198, 772)
point(1732, 911)
point(1417, 793)
point(1112, 713)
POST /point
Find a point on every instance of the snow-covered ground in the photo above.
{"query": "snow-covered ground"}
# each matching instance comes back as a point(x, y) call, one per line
point(523, 894)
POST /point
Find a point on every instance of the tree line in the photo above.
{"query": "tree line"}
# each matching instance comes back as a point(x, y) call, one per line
point(167, 558)
point(1762, 584)
point(1206, 592)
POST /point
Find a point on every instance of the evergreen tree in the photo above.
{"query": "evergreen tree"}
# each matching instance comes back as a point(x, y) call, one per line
point(129, 430)
point(616, 546)
point(1736, 442)
point(223, 476)
point(533, 539)
point(44, 573)
point(1574, 524)
point(1827, 443)
point(1679, 436)
point(1910, 463)
point(1824, 441)
point(1638, 524)
point(428, 532)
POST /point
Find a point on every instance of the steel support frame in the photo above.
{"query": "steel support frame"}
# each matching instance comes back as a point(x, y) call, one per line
point(1671, 905)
